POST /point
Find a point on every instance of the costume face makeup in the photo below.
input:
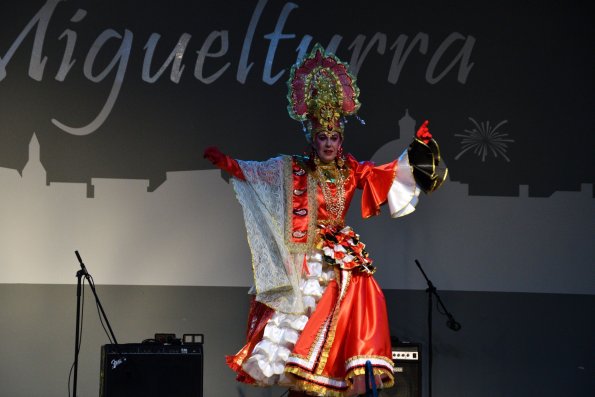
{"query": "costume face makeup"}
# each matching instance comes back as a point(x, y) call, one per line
point(327, 146)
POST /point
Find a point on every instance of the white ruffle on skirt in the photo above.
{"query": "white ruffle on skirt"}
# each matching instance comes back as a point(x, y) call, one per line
point(267, 361)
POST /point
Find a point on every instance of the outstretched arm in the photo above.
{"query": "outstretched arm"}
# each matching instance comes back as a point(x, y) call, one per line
point(223, 161)
point(399, 183)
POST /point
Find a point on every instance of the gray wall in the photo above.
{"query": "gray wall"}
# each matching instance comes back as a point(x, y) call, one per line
point(510, 344)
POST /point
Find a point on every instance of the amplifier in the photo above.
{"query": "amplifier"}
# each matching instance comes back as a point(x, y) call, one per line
point(407, 367)
point(151, 370)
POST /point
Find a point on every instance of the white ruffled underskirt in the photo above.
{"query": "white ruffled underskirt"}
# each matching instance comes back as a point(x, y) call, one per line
point(267, 362)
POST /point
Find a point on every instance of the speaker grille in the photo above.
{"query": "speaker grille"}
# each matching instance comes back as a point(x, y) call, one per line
point(151, 371)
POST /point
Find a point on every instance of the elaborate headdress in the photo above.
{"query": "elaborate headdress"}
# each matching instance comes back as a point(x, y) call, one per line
point(321, 92)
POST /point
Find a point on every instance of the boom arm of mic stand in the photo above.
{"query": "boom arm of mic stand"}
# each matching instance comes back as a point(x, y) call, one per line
point(111, 331)
point(92, 285)
point(451, 323)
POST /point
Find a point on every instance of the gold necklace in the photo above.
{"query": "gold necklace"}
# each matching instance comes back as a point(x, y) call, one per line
point(335, 204)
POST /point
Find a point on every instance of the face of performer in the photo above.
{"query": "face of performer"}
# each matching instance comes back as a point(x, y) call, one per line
point(327, 146)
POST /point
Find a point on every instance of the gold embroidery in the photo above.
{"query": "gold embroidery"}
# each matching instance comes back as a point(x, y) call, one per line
point(319, 336)
point(345, 279)
point(382, 372)
point(293, 247)
point(308, 386)
point(383, 358)
point(312, 383)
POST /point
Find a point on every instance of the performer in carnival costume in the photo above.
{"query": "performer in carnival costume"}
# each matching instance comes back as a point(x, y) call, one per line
point(317, 314)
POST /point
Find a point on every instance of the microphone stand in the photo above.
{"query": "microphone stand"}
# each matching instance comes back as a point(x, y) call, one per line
point(79, 276)
point(451, 323)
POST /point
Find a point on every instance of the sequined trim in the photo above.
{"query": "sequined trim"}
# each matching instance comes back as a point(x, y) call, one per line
point(377, 361)
point(382, 372)
point(325, 386)
point(317, 357)
point(308, 362)
point(311, 382)
point(345, 280)
point(312, 210)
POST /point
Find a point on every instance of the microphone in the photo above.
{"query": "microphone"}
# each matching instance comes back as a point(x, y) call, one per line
point(453, 324)
point(83, 268)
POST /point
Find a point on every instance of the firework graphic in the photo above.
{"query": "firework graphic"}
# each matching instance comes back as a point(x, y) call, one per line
point(484, 139)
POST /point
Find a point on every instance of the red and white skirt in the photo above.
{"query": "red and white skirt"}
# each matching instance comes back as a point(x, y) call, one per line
point(324, 350)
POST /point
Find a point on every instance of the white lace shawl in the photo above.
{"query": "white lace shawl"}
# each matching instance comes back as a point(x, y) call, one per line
point(262, 197)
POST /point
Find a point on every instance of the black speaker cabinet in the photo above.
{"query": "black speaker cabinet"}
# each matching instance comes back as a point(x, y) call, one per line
point(151, 370)
point(407, 361)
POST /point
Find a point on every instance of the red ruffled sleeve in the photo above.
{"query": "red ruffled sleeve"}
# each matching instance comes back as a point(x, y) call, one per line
point(375, 182)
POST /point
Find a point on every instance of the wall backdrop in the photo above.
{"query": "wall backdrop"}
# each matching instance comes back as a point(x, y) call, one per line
point(106, 108)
